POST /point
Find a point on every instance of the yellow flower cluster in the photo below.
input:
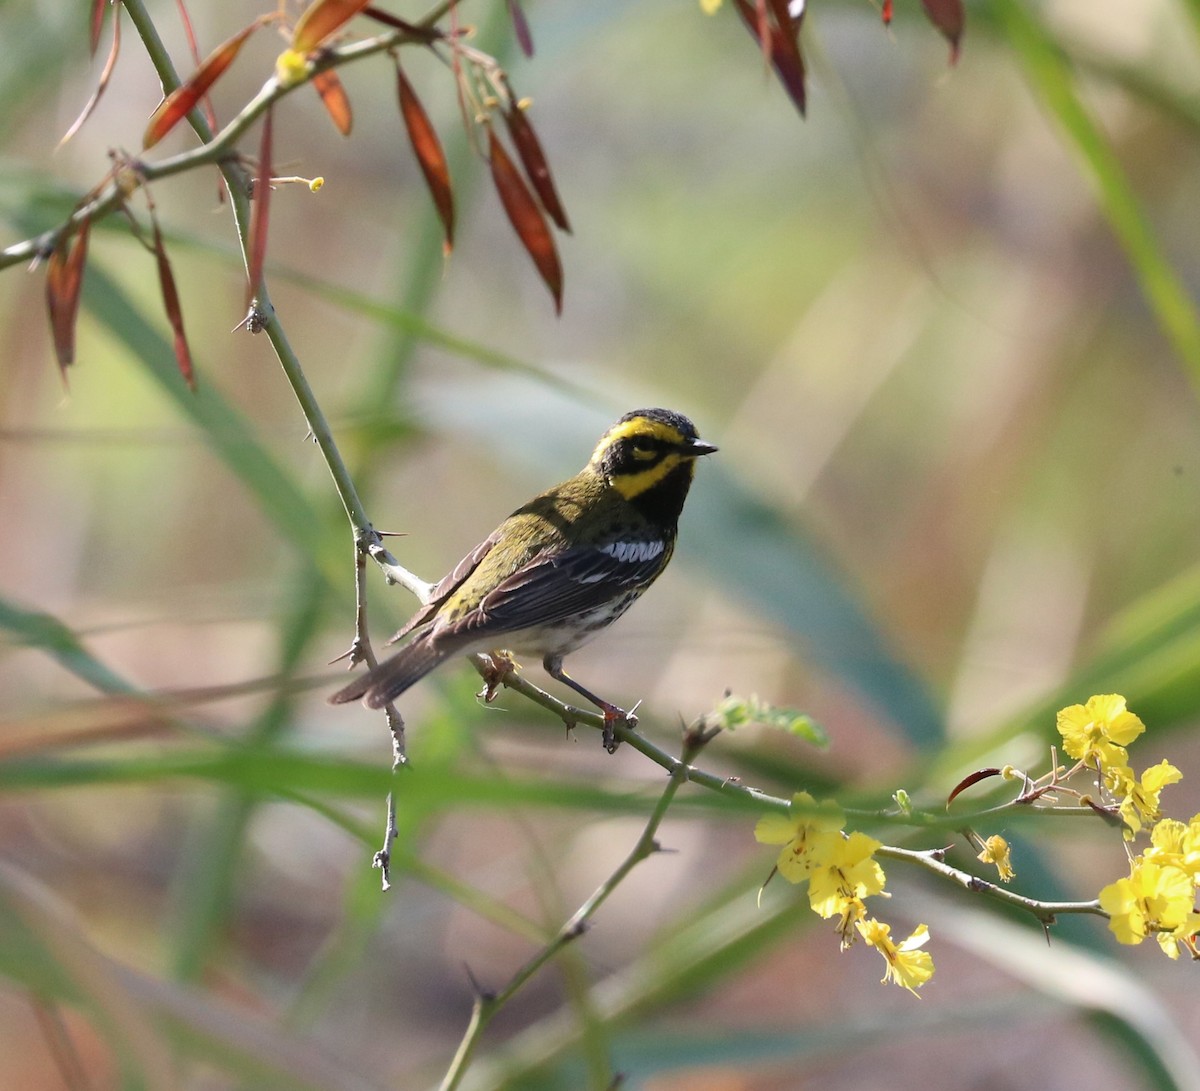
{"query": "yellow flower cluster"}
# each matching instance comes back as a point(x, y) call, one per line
point(841, 871)
point(1158, 897)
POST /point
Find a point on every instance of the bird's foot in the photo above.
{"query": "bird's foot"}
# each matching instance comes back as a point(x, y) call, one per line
point(494, 676)
point(615, 717)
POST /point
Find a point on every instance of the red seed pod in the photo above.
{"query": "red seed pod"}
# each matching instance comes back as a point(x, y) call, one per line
point(430, 156)
point(525, 214)
point(533, 159)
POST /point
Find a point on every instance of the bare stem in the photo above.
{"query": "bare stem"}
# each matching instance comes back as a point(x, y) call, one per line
point(1046, 912)
point(487, 1004)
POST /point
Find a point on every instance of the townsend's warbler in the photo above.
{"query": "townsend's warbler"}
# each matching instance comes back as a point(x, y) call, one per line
point(561, 567)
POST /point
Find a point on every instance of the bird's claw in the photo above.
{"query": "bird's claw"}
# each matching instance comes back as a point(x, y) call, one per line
point(615, 717)
point(495, 675)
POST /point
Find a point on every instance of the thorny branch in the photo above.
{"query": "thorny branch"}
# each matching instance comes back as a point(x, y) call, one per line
point(488, 1003)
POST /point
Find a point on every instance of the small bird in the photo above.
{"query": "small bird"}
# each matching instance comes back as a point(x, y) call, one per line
point(561, 567)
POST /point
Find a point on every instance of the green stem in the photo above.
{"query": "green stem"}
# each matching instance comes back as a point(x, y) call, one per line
point(1046, 912)
point(488, 1004)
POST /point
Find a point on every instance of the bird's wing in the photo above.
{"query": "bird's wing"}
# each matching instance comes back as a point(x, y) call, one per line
point(553, 587)
point(447, 585)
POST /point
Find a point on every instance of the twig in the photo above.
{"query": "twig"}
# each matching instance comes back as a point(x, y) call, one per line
point(218, 149)
point(487, 1003)
point(1046, 912)
point(215, 148)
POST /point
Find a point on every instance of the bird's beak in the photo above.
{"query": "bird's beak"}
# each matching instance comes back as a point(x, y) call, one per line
point(698, 447)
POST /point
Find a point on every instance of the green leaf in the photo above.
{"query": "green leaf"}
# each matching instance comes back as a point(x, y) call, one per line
point(228, 433)
point(43, 631)
point(1051, 79)
point(734, 712)
point(780, 571)
point(1150, 653)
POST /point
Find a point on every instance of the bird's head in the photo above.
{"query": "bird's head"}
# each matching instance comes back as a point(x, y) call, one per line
point(648, 449)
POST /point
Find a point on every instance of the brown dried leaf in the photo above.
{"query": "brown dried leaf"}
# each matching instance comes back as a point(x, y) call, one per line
point(64, 285)
point(428, 150)
point(336, 101)
point(257, 242)
point(525, 214)
point(533, 159)
point(781, 42)
point(520, 27)
point(321, 19)
point(166, 280)
point(178, 103)
point(948, 16)
point(102, 83)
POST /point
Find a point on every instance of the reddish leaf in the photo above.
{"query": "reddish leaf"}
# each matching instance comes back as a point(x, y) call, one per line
point(520, 27)
point(178, 103)
point(98, 7)
point(429, 153)
point(209, 113)
point(166, 280)
point(533, 159)
point(970, 779)
point(762, 22)
point(64, 284)
point(101, 84)
point(782, 43)
point(526, 217)
point(949, 18)
point(333, 94)
point(321, 19)
point(886, 12)
point(257, 243)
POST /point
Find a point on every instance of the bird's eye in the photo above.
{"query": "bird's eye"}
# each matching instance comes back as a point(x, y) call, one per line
point(643, 450)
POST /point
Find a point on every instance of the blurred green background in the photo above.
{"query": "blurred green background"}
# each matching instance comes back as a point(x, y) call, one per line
point(944, 333)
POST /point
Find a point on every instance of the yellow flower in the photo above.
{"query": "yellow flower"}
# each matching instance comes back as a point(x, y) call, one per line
point(1139, 808)
point(1155, 898)
point(844, 870)
point(710, 7)
point(1177, 844)
point(802, 834)
point(1098, 732)
point(996, 851)
point(851, 913)
point(907, 965)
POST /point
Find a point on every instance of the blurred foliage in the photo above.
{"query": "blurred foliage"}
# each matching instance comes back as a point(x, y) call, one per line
point(945, 333)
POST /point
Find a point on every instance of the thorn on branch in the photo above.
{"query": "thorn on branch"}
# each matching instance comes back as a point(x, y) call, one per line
point(255, 321)
point(353, 655)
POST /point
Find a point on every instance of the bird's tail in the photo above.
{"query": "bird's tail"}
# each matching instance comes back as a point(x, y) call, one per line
point(393, 676)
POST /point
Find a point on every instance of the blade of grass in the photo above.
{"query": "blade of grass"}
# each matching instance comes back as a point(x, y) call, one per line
point(1150, 653)
point(227, 431)
point(44, 631)
point(207, 868)
point(1050, 78)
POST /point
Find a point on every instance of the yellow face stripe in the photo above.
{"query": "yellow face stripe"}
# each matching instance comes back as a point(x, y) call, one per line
point(631, 485)
point(639, 426)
